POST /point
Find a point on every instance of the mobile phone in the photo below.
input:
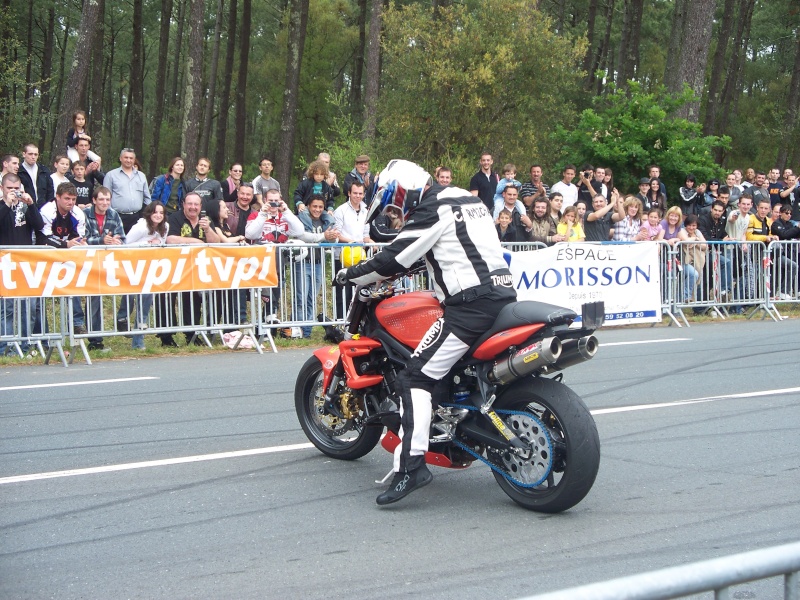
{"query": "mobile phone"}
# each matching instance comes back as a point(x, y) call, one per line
point(202, 214)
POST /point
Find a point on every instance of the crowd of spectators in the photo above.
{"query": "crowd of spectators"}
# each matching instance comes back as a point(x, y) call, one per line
point(77, 203)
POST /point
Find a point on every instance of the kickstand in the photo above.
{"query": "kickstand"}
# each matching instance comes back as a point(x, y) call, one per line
point(385, 479)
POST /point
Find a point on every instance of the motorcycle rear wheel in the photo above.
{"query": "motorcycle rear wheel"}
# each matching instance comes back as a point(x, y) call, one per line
point(576, 444)
point(334, 437)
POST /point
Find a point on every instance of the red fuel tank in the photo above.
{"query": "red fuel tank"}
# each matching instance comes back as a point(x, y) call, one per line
point(408, 317)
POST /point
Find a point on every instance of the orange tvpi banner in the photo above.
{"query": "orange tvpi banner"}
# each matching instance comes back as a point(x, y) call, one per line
point(120, 270)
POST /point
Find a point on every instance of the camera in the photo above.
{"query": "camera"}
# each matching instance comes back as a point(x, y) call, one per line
point(18, 193)
point(587, 174)
point(274, 204)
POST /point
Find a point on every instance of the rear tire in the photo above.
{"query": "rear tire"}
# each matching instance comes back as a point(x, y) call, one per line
point(573, 435)
point(334, 437)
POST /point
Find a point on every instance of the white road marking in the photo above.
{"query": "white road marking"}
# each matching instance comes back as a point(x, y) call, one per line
point(306, 446)
point(604, 345)
point(90, 382)
point(154, 463)
point(619, 409)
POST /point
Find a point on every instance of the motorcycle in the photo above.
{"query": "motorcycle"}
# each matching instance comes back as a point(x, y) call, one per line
point(503, 404)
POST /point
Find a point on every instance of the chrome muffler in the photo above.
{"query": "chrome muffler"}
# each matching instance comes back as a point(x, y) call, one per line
point(527, 360)
point(574, 352)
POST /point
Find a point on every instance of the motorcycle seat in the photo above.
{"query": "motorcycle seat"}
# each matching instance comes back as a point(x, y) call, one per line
point(527, 312)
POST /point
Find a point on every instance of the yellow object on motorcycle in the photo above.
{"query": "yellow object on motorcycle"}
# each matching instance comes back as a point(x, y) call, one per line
point(352, 255)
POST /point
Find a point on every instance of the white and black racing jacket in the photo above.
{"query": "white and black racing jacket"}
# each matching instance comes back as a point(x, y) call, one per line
point(453, 230)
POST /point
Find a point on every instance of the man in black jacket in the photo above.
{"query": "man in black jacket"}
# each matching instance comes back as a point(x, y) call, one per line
point(35, 177)
point(712, 226)
point(19, 222)
point(454, 232)
point(786, 256)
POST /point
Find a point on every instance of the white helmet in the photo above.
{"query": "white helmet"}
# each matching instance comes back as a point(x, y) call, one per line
point(400, 184)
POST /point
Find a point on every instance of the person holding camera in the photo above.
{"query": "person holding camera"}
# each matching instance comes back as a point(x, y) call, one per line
point(190, 226)
point(275, 224)
point(589, 186)
point(19, 222)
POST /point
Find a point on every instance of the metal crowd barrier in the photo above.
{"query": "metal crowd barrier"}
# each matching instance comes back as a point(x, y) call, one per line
point(783, 275)
point(33, 325)
point(721, 277)
point(717, 575)
point(748, 278)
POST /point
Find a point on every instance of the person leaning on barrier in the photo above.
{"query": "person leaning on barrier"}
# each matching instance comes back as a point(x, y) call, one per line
point(787, 257)
point(736, 228)
point(543, 229)
point(65, 227)
point(712, 226)
point(275, 224)
point(308, 271)
point(103, 228)
point(189, 227)
point(19, 223)
point(599, 222)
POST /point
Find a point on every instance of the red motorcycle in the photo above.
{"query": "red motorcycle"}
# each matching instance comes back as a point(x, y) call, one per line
point(499, 405)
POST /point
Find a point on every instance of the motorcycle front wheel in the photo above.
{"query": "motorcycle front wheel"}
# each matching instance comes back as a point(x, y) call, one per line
point(345, 439)
point(573, 443)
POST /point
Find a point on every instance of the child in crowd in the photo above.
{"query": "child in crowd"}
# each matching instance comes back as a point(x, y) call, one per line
point(60, 170)
point(569, 225)
point(83, 186)
point(652, 230)
point(78, 132)
point(509, 178)
point(505, 231)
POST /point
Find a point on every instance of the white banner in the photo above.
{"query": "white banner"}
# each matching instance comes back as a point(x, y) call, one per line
point(624, 276)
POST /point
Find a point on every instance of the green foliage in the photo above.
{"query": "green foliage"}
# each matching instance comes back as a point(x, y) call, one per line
point(15, 130)
point(491, 75)
point(628, 132)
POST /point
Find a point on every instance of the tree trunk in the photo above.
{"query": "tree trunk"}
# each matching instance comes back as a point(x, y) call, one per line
point(62, 71)
point(718, 66)
point(790, 118)
point(358, 61)
point(591, 51)
point(205, 133)
point(137, 81)
point(629, 46)
point(296, 39)
point(373, 71)
point(79, 71)
point(694, 55)
point(47, 68)
point(29, 55)
point(108, 86)
point(161, 76)
point(603, 53)
point(674, 51)
point(736, 67)
point(241, 88)
point(225, 93)
point(194, 89)
point(96, 82)
point(177, 54)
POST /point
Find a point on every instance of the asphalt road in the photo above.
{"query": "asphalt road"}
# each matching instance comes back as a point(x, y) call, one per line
point(678, 483)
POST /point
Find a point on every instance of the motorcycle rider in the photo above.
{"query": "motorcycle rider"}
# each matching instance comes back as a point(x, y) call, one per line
point(454, 231)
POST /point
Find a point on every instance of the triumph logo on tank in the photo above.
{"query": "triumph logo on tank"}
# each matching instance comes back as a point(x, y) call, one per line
point(430, 337)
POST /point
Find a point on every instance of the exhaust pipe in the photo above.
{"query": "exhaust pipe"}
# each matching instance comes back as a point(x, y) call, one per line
point(526, 361)
point(574, 352)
